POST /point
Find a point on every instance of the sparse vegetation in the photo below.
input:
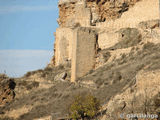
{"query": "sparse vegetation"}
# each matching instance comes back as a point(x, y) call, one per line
point(32, 85)
point(108, 80)
point(84, 107)
point(28, 84)
point(3, 76)
point(129, 37)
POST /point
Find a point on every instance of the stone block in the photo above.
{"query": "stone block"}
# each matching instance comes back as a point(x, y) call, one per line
point(83, 15)
point(83, 52)
point(63, 45)
point(107, 39)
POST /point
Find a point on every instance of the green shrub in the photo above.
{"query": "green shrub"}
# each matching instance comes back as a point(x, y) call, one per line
point(84, 107)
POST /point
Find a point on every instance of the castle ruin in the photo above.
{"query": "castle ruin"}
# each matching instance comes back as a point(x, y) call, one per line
point(86, 26)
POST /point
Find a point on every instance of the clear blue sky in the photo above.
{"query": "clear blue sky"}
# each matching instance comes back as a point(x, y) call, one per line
point(26, 34)
point(27, 24)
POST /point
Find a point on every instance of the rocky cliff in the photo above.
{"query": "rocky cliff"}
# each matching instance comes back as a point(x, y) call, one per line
point(103, 20)
point(101, 10)
point(106, 48)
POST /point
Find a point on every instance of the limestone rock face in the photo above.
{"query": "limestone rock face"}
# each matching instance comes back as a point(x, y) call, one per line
point(110, 9)
point(100, 10)
point(66, 11)
point(6, 89)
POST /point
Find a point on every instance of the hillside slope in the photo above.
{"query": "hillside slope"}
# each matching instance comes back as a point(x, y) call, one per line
point(124, 77)
point(123, 85)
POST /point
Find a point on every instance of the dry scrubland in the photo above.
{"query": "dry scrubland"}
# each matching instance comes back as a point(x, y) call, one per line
point(124, 79)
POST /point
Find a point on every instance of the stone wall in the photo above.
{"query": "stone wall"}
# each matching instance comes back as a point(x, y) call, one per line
point(63, 45)
point(107, 39)
point(66, 12)
point(84, 50)
point(82, 15)
point(109, 14)
point(144, 10)
point(76, 41)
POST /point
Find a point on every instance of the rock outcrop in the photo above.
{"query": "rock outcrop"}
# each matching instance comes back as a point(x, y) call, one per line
point(100, 10)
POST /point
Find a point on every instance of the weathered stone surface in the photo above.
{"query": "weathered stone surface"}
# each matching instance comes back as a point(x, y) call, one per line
point(84, 50)
point(97, 12)
point(151, 24)
point(82, 15)
point(91, 10)
point(107, 18)
point(143, 10)
point(63, 45)
point(66, 12)
point(128, 37)
point(107, 39)
point(108, 10)
point(66, 1)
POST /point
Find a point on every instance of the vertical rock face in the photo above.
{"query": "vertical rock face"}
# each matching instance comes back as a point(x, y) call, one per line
point(66, 12)
point(106, 17)
point(92, 10)
point(109, 9)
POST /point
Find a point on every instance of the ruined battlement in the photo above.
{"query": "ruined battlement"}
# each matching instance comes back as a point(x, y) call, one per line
point(87, 25)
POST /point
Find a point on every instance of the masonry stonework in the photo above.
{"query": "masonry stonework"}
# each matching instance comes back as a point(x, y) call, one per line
point(84, 51)
point(143, 10)
point(76, 39)
point(83, 15)
point(63, 45)
point(107, 39)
